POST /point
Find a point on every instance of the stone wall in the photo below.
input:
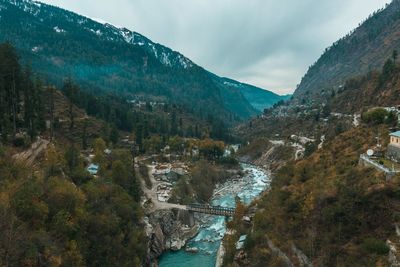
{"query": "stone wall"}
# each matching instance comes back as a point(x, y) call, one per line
point(368, 162)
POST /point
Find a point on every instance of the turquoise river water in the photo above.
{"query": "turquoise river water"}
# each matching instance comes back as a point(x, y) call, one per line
point(253, 183)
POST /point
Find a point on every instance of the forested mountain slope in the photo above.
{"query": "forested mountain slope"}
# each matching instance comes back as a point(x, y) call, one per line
point(257, 97)
point(326, 209)
point(365, 49)
point(52, 211)
point(371, 90)
point(59, 43)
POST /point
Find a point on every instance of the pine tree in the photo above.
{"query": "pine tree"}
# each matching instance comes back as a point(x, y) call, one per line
point(72, 158)
point(30, 101)
point(40, 110)
point(84, 135)
point(51, 111)
point(139, 136)
point(174, 124)
point(114, 135)
point(395, 55)
point(71, 91)
point(10, 71)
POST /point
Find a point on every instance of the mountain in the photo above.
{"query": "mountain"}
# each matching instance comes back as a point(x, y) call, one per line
point(58, 44)
point(364, 49)
point(257, 97)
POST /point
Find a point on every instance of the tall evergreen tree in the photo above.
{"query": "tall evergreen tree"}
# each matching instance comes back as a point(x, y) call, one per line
point(71, 91)
point(30, 102)
point(84, 135)
point(114, 135)
point(10, 71)
point(174, 123)
point(51, 111)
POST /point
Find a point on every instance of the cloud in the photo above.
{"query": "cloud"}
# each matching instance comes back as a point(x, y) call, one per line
point(268, 43)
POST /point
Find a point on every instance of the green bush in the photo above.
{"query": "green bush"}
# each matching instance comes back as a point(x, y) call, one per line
point(373, 245)
point(310, 148)
point(230, 161)
point(379, 116)
point(19, 141)
point(80, 176)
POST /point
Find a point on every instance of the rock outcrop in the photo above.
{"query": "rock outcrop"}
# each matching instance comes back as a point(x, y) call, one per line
point(167, 230)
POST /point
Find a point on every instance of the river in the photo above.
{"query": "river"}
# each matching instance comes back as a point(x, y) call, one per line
point(253, 183)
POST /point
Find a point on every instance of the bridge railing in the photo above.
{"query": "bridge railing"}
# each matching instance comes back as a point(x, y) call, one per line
point(214, 210)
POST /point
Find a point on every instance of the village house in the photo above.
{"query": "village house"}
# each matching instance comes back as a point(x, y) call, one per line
point(374, 159)
point(93, 169)
point(393, 150)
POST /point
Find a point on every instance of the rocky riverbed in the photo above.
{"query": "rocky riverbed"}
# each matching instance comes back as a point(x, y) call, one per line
point(212, 228)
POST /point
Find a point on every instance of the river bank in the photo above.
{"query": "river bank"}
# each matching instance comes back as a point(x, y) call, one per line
point(220, 255)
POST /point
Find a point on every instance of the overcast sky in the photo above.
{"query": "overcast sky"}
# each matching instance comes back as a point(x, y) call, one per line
point(267, 43)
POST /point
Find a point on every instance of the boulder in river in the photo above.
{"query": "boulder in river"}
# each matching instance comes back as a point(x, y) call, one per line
point(192, 250)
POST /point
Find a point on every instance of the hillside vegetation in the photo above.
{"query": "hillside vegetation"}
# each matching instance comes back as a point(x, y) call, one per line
point(56, 214)
point(364, 49)
point(333, 112)
point(325, 208)
point(374, 89)
point(335, 212)
point(53, 212)
point(101, 57)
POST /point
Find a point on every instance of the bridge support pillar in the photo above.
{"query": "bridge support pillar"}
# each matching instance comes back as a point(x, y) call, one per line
point(186, 217)
point(191, 219)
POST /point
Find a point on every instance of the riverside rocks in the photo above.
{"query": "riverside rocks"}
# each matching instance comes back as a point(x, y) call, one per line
point(167, 230)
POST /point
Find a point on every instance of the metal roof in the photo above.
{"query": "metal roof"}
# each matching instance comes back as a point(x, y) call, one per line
point(93, 169)
point(395, 134)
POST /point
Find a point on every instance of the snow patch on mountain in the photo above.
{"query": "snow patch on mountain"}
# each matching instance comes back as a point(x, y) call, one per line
point(127, 35)
point(32, 7)
point(106, 31)
point(231, 84)
point(36, 49)
point(58, 30)
point(82, 21)
point(165, 55)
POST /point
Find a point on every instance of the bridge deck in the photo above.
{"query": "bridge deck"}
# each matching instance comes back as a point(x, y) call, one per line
point(213, 210)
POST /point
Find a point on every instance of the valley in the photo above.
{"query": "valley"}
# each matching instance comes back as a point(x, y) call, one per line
point(116, 150)
point(205, 248)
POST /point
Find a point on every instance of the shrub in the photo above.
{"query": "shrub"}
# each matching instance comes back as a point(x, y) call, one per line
point(230, 161)
point(310, 148)
point(379, 116)
point(19, 141)
point(373, 245)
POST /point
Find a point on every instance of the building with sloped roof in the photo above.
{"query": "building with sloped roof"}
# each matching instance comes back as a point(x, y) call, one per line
point(393, 150)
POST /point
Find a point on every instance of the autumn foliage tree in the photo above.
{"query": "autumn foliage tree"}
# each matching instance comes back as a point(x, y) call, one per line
point(211, 149)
